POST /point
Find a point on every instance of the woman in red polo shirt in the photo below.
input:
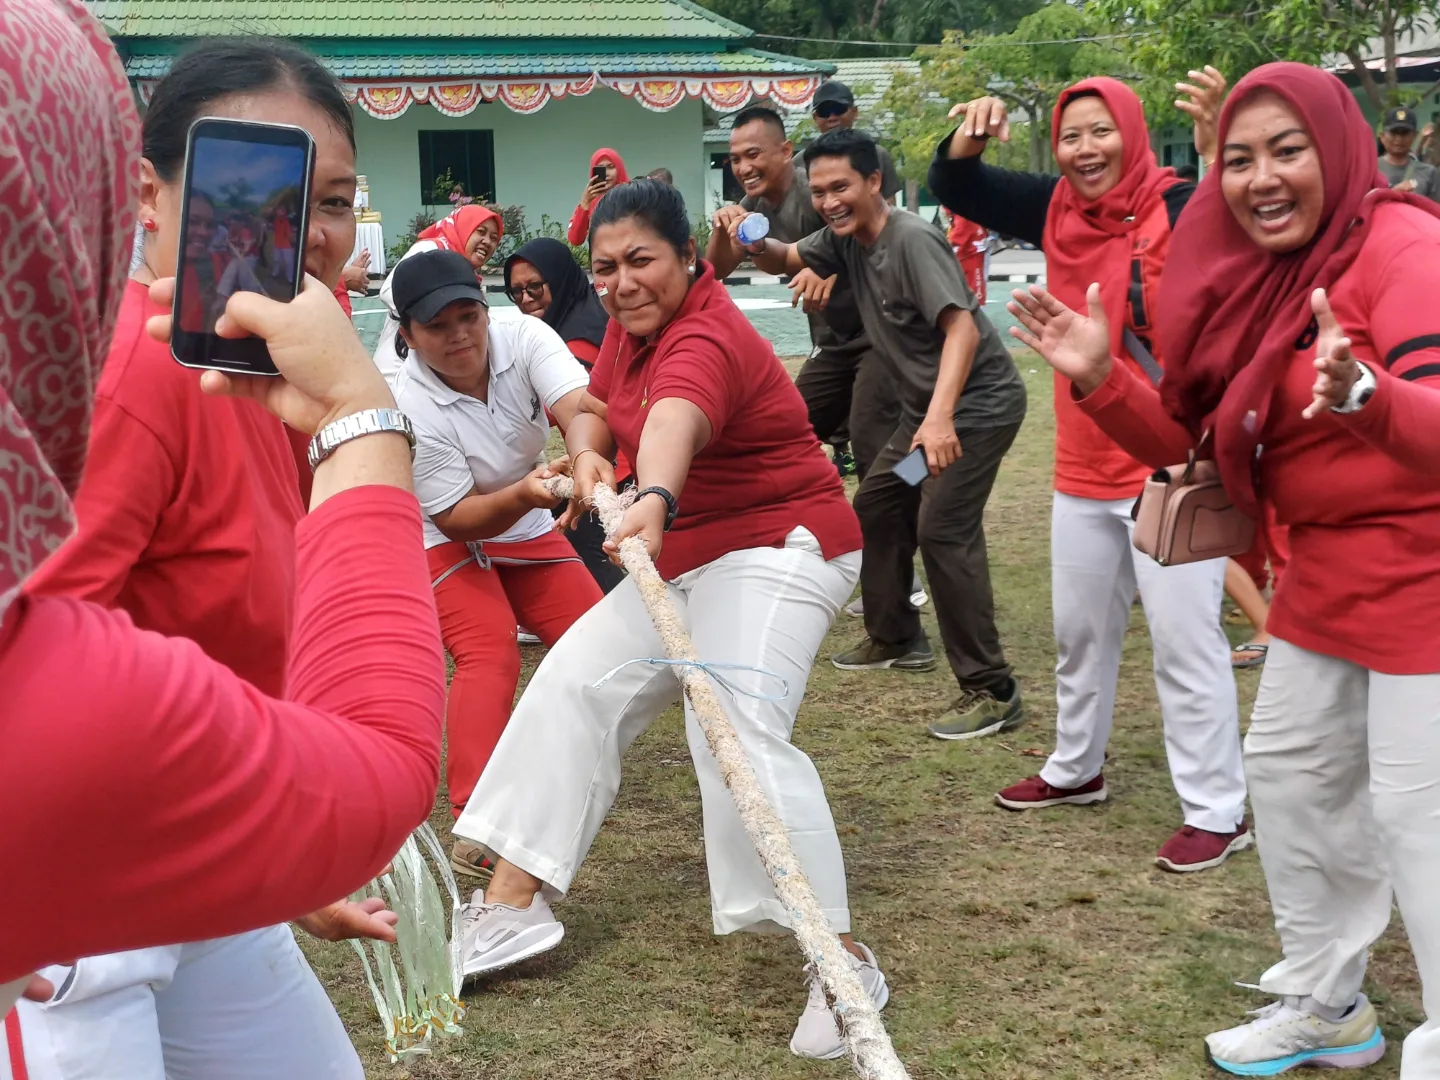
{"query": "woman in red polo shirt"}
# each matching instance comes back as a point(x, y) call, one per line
point(747, 520)
point(186, 522)
point(1294, 256)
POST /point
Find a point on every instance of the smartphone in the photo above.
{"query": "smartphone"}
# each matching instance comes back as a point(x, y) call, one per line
point(598, 173)
point(913, 468)
point(244, 213)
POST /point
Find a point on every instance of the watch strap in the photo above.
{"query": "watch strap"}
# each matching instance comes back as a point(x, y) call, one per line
point(1361, 391)
point(355, 426)
point(672, 507)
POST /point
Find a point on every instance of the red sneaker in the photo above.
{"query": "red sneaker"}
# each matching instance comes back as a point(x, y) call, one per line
point(1193, 849)
point(1034, 793)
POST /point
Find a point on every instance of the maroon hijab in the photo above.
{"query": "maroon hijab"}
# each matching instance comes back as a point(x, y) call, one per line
point(1231, 313)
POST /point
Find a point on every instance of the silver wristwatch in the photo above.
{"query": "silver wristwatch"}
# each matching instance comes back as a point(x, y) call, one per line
point(365, 422)
point(1360, 391)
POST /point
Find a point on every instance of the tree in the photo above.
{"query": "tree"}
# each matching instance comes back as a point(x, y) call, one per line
point(1169, 38)
point(1026, 68)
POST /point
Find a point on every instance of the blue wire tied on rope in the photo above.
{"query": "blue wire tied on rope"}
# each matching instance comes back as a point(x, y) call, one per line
point(710, 668)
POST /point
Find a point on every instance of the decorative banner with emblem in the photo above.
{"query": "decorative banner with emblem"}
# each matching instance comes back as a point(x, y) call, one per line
point(459, 97)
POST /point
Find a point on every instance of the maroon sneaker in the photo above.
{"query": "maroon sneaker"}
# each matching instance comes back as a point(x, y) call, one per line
point(1034, 793)
point(1193, 849)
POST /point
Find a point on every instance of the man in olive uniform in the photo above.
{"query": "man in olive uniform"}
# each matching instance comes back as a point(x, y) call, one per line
point(1403, 170)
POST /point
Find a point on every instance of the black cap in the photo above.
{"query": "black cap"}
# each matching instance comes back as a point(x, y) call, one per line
point(833, 92)
point(427, 281)
point(1401, 119)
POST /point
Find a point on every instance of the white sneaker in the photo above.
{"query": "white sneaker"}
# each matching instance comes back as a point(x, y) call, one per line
point(1285, 1035)
point(856, 608)
point(498, 936)
point(817, 1035)
point(524, 637)
point(918, 597)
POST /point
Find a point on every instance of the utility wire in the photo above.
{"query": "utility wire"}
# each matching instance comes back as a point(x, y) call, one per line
point(931, 44)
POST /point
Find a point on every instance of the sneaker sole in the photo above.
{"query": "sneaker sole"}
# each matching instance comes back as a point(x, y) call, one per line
point(1087, 799)
point(881, 665)
point(1336, 1057)
point(532, 942)
point(1240, 843)
point(1000, 726)
point(839, 1051)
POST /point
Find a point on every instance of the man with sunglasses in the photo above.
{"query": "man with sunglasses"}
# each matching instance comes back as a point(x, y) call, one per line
point(834, 107)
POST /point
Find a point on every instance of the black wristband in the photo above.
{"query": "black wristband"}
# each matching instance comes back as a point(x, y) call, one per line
point(672, 508)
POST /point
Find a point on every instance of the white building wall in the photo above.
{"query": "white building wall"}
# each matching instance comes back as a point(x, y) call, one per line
point(542, 160)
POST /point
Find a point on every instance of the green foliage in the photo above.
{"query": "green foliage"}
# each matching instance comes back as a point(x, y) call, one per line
point(1027, 77)
point(1238, 35)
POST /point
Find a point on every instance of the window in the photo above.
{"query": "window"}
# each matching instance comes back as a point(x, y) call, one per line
point(730, 188)
point(470, 157)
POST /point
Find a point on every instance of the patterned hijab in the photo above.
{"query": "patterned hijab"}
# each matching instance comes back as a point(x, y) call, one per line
point(66, 215)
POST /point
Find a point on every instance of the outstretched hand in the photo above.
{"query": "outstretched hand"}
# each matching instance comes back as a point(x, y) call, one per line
point(1206, 90)
point(1075, 345)
point(1338, 369)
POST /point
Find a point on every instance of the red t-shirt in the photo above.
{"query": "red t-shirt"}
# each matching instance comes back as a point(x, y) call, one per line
point(187, 510)
point(201, 806)
point(1363, 578)
point(763, 473)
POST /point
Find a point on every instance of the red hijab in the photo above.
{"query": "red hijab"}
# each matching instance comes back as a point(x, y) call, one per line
point(621, 176)
point(67, 217)
point(454, 232)
point(1089, 241)
point(1231, 312)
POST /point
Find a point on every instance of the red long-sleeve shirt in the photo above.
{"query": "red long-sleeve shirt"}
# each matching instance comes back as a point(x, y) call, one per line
point(1358, 491)
point(150, 795)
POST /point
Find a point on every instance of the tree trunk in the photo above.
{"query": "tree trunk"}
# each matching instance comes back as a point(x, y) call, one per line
point(1387, 39)
point(1367, 80)
point(912, 196)
point(874, 23)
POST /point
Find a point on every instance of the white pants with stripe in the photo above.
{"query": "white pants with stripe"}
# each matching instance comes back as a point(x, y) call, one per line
point(556, 770)
point(1344, 768)
point(1094, 572)
point(239, 1008)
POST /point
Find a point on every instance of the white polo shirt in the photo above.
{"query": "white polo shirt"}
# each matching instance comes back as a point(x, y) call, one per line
point(462, 442)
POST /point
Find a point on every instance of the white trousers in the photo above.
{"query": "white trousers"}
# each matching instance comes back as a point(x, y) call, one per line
point(239, 1008)
point(556, 770)
point(1344, 768)
point(1094, 571)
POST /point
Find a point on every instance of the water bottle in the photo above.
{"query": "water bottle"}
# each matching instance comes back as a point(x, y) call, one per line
point(753, 229)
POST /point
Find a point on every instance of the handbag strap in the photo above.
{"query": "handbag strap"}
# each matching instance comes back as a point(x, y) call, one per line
point(1142, 356)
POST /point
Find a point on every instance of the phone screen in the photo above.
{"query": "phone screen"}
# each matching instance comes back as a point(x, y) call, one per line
point(244, 218)
point(913, 468)
point(598, 173)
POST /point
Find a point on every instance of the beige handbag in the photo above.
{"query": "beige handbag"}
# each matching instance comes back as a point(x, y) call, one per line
point(1183, 516)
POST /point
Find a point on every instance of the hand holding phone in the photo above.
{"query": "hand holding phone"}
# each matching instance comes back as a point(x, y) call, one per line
point(249, 182)
point(912, 468)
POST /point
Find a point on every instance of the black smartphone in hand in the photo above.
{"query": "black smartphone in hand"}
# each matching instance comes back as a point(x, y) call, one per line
point(244, 214)
point(913, 468)
point(598, 173)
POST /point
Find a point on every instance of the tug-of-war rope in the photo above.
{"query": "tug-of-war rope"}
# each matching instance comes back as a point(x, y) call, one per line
point(871, 1052)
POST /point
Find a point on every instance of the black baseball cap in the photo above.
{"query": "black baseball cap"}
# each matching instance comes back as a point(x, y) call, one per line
point(833, 93)
point(426, 282)
point(1401, 119)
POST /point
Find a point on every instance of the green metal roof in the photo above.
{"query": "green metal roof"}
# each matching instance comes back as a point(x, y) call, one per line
point(525, 65)
point(674, 20)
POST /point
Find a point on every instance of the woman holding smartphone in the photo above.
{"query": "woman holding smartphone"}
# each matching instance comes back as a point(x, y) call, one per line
point(186, 522)
point(607, 168)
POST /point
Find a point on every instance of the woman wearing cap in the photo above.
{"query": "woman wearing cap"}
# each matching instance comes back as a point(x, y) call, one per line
point(1293, 259)
point(477, 392)
point(607, 169)
point(748, 521)
point(1108, 216)
point(475, 232)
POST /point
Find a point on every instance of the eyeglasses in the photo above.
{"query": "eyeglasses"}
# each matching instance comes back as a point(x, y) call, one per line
point(831, 109)
point(535, 291)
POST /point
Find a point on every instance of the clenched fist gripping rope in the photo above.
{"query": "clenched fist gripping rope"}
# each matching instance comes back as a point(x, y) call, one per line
point(871, 1052)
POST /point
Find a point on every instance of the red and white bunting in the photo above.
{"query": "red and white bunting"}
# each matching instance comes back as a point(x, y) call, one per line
point(386, 101)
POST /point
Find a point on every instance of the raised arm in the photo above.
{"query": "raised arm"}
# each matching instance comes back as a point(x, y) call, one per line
point(722, 250)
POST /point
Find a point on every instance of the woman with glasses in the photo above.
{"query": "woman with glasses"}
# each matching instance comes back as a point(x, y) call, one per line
point(545, 281)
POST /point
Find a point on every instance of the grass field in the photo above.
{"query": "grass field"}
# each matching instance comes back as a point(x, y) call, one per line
point(1043, 945)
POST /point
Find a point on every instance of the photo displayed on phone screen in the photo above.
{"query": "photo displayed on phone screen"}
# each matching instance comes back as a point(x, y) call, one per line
point(246, 210)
